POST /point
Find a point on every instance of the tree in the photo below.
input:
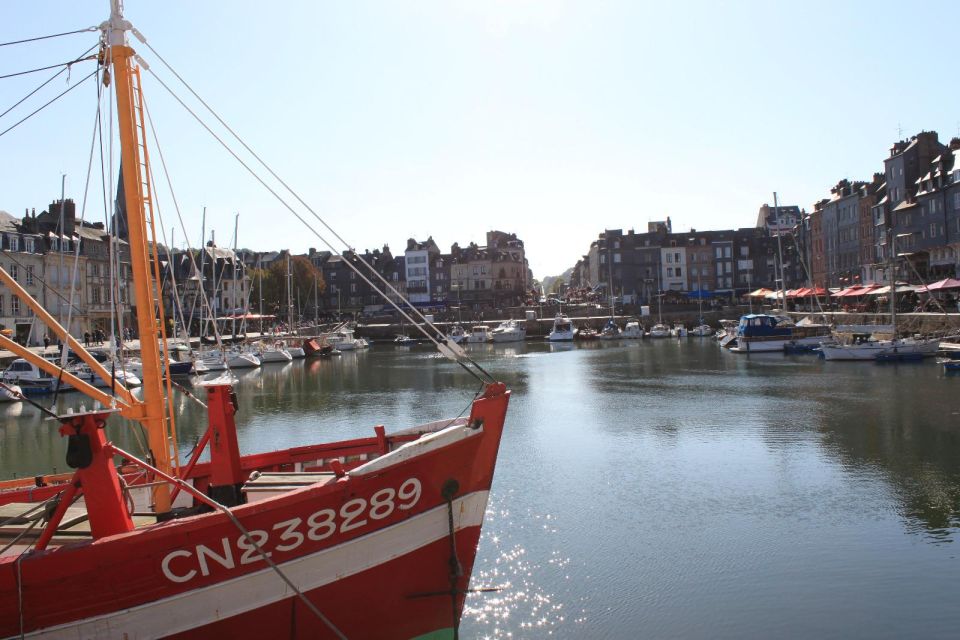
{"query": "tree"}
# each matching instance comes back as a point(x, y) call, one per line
point(274, 288)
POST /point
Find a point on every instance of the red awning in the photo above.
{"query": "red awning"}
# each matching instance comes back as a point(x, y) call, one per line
point(940, 285)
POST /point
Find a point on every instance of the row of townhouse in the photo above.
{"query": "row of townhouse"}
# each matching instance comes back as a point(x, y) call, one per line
point(910, 212)
point(66, 265)
point(638, 266)
point(494, 275)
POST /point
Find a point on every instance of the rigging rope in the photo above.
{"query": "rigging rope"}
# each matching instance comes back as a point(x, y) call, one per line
point(45, 83)
point(442, 344)
point(440, 341)
point(52, 35)
point(51, 101)
point(52, 66)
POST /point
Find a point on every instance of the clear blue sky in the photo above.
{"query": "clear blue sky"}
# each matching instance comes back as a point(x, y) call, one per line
point(550, 119)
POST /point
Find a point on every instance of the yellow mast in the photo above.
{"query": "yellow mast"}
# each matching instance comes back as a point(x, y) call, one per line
point(135, 181)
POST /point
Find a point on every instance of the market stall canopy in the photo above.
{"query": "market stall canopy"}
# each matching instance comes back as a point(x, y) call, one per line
point(843, 292)
point(759, 293)
point(901, 288)
point(940, 285)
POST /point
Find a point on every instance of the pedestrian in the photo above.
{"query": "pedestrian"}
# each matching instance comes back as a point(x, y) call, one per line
point(46, 343)
point(86, 338)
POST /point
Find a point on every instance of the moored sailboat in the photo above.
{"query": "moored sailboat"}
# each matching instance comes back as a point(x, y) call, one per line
point(367, 538)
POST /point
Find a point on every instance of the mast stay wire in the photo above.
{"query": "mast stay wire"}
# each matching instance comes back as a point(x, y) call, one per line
point(47, 104)
point(65, 65)
point(441, 346)
point(47, 81)
point(277, 177)
point(441, 342)
point(183, 227)
point(52, 35)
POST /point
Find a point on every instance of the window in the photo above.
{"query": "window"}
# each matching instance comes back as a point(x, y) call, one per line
point(719, 252)
point(616, 258)
point(744, 251)
point(727, 251)
point(15, 305)
point(676, 258)
point(14, 271)
point(728, 267)
point(679, 272)
point(29, 246)
point(956, 201)
point(669, 258)
point(30, 275)
point(669, 272)
point(353, 288)
point(14, 243)
point(933, 229)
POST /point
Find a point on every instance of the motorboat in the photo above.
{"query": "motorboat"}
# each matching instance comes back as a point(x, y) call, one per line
point(632, 331)
point(760, 332)
point(702, 331)
point(509, 331)
point(610, 331)
point(343, 340)
point(679, 330)
point(586, 333)
point(119, 371)
point(457, 334)
point(659, 330)
point(30, 378)
point(563, 329)
point(478, 333)
point(404, 340)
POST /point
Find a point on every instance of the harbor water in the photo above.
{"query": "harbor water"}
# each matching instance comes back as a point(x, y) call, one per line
point(653, 489)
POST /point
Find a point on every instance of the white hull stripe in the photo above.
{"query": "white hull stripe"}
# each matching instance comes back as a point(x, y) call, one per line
point(251, 591)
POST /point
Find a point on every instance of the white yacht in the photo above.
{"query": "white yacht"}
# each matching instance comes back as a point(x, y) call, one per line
point(610, 332)
point(121, 373)
point(239, 359)
point(866, 347)
point(479, 333)
point(276, 352)
point(457, 334)
point(633, 331)
point(294, 351)
point(659, 330)
point(679, 330)
point(563, 329)
point(29, 378)
point(509, 331)
point(702, 331)
point(10, 393)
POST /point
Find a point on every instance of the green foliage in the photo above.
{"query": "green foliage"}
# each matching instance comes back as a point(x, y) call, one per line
point(274, 279)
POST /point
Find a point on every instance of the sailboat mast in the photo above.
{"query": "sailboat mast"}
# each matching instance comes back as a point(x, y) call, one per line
point(135, 182)
point(782, 288)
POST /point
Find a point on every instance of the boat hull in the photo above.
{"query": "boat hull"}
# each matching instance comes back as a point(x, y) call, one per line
point(371, 550)
point(748, 345)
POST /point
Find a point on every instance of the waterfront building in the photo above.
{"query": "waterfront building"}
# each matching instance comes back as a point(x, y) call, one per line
point(23, 260)
point(419, 258)
point(779, 220)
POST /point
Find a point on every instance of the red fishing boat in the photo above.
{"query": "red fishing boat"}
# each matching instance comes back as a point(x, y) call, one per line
point(367, 538)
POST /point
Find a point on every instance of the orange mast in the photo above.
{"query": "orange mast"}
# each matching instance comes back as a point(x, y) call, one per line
point(136, 193)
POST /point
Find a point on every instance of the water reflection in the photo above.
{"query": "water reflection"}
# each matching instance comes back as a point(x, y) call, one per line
point(654, 488)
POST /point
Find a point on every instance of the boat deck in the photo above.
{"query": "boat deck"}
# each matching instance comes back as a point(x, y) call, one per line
point(16, 519)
